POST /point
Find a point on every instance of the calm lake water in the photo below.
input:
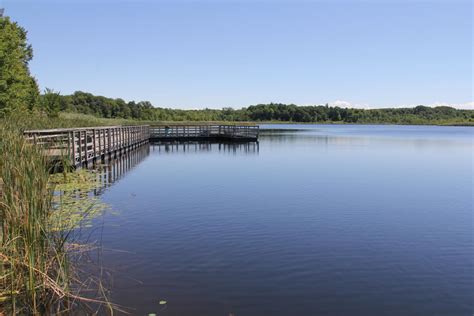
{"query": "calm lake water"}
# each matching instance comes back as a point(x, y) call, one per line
point(314, 220)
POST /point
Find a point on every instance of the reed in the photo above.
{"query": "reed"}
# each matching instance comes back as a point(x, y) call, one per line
point(37, 274)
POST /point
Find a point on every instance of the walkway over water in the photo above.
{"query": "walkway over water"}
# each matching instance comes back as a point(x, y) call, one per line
point(205, 132)
point(86, 145)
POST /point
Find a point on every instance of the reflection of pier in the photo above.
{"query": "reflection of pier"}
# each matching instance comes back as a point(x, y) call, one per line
point(196, 147)
point(115, 169)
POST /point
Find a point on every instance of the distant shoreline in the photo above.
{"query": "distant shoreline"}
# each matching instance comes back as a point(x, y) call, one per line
point(467, 124)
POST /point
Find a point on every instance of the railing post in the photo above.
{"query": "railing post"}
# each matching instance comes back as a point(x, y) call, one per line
point(69, 145)
point(86, 147)
point(73, 148)
point(121, 137)
point(114, 139)
point(100, 143)
point(109, 137)
point(94, 146)
point(80, 146)
point(81, 153)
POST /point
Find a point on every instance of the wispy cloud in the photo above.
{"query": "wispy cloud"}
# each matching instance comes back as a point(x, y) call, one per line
point(347, 104)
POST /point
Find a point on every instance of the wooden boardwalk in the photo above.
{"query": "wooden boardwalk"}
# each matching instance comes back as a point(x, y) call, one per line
point(244, 133)
point(84, 146)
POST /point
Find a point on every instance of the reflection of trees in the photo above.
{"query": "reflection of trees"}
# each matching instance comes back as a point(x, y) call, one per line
point(309, 138)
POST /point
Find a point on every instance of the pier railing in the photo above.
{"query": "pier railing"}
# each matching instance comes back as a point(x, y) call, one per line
point(233, 132)
point(83, 145)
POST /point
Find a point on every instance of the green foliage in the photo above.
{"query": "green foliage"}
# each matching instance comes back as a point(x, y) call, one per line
point(33, 261)
point(50, 102)
point(86, 103)
point(38, 212)
point(326, 114)
point(38, 120)
point(18, 89)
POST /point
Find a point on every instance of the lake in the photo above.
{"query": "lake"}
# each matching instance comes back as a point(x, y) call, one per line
point(312, 220)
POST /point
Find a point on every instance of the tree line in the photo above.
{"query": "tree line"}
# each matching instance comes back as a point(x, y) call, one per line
point(87, 103)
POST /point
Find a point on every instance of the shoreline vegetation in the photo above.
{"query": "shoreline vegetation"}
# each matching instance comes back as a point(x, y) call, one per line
point(40, 212)
point(108, 108)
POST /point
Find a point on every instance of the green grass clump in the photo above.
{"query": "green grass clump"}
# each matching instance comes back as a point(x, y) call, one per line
point(38, 212)
point(34, 265)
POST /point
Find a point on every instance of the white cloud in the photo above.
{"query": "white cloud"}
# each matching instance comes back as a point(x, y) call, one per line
point(347, 104)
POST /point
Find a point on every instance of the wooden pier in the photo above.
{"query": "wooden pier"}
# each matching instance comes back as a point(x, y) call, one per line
point(84, 146)
point(244, 133)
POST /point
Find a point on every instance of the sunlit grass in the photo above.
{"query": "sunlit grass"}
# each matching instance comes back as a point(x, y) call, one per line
point(38, 212)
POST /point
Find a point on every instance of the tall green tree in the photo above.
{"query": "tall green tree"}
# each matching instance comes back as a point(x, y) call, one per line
point(51, 102)
point(18, 89)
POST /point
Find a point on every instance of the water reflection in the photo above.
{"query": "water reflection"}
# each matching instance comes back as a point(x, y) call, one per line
point(249, 148)
point(114, 169)
point(324, 137)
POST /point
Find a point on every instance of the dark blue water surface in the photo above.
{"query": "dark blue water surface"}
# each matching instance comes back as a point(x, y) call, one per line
point(314, 220)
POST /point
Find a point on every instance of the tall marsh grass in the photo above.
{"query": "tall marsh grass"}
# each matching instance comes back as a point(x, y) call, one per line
point(37, 274)
point(34, 263)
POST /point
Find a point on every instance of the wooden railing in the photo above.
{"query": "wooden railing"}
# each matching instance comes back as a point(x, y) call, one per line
point(83, 145)
point(233, 132)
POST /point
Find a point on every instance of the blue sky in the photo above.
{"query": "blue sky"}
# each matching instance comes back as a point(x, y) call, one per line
point(195, 54)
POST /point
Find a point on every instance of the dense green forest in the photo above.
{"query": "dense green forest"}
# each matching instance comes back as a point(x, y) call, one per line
point(86, 103)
